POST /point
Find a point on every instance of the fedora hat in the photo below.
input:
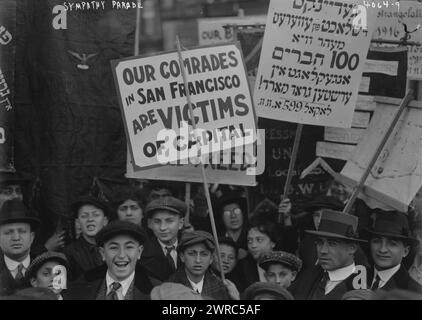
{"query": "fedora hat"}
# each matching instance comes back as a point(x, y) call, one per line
point(15, 211)
point(7, 178)
point(336, 224)
point(392, 224)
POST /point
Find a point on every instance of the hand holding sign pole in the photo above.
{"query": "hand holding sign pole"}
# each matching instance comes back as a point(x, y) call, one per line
point(204, 176)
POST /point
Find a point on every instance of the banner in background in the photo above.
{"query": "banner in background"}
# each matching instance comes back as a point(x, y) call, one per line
point(7, 79)
point(312, 61)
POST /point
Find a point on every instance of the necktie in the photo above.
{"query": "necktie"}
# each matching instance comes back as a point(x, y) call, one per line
point(19, 275)
point(319, 292)
point(170, 258)
point(376, 283)
point(112, 295)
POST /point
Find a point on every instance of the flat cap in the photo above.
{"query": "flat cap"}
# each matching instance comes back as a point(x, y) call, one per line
point(168, 203)
point(37, 263)
point(194, 237)
point(118, 227)
point(273, 289)
point(81, 201)
point(282, 257)
point(174, 291)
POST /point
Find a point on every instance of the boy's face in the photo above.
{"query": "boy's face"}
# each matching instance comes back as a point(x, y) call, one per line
point(228, 258)
point(16, 239)
point(259, 243)
point(197, 259)
point(165, 226)
point(91, 220)
point(130, 211)
point(121, 254)
point(387, 252)
point(45, 276)
point(280, 274)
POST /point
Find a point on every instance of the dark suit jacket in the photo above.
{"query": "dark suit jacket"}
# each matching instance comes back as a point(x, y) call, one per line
point(8, 285)
point(213, 286)
point(400, 280)
point(246, 269)
point(155, 262)
point(303, 287)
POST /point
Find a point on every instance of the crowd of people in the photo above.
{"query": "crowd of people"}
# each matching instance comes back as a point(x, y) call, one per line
point(138, 246)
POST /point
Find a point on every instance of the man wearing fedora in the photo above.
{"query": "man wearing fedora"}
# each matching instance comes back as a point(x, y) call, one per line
point(165, 217)
point(336, 241)
point(83, 254)
point(17, 232)
point(390, 241)
point(122, 278)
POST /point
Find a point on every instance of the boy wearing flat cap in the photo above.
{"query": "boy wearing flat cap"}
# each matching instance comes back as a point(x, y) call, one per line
point(49, 270)
point(336, 241)
point(17, 232)
point(83, 254)
point(280, 267)
point(121, 244)
point(196, 252)
point(165, 219)
point(390, 241)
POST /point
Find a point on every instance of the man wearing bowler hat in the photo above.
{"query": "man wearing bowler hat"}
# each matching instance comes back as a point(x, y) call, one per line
point(390, 241)
point(165, 220)
point(121, 244)
point(336, 241)
point(17, 232)
point(83, 254)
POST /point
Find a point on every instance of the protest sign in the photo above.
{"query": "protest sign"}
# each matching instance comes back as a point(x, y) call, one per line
point(312, 61)
point(213, 31)
point(396, 176)
point(156, 113)
point(7, 77)
point(389, 26)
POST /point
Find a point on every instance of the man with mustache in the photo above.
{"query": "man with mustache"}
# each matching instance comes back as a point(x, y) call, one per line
point(122, 278)
point(336, 241)
point(390, 242)
point(83, 254)
point(17, 232)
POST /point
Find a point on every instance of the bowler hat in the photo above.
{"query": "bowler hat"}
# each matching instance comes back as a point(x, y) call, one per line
point(336, 224)
point(15, 211)
point(392, 224)
point(282, 257)
point(13, 178)
point(273, 289)
point(119, 227)
point(43, 258)
point(167, 203)
point(194, 237)
point(76, 205)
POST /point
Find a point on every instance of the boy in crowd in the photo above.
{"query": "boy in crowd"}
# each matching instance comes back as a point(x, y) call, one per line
point(91, 215)
point(280, 267)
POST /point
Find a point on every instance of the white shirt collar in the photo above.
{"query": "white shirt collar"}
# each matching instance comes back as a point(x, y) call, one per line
point(197, 286)
point(261, 274)
point(125, 283)
point(342, 273)
point(386, 275)
point(12, 265)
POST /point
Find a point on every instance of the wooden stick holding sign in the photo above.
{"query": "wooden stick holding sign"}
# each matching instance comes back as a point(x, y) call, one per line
point(291, 167)
point(204, 176)
point(138, 27)
point(403, 105)
point(187, 201)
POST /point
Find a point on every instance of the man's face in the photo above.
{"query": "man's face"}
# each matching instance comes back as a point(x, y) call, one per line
point(334, 253)
point(165, 226)
point(387, 252)
point(16, 239)
point(259, 243)
point(10, 192)
point(121, 254)
point(130, 211)
point(280, 274)
point(232, 216)
point(159, 193)
point(91, 219)
point(196, 258)
point(228, 258)
point(45, 275)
